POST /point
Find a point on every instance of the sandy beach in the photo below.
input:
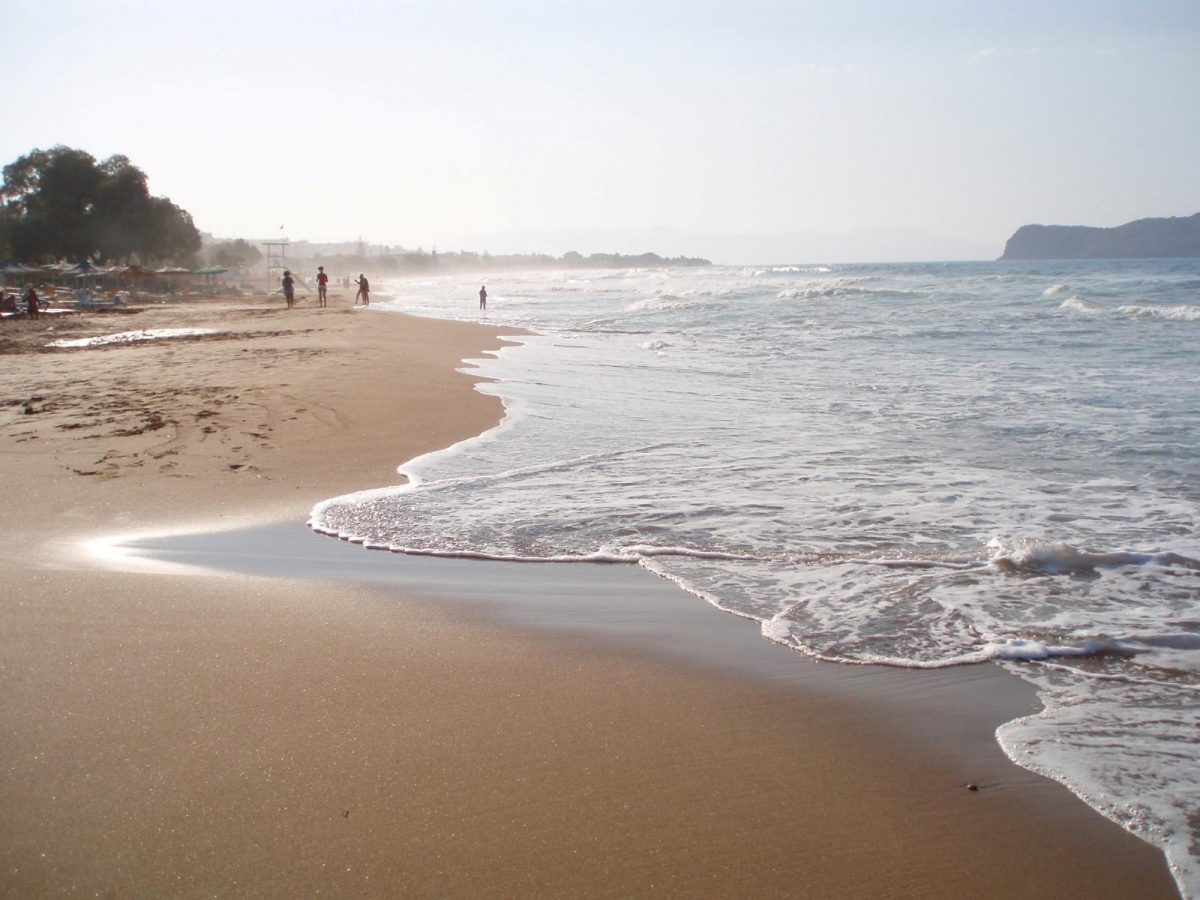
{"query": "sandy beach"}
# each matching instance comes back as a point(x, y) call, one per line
point(271, 734)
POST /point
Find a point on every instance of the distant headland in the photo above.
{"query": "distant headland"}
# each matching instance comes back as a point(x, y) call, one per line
point(1171, 238)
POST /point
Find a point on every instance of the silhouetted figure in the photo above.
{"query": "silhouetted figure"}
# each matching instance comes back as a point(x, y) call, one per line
point(289, 289)
point(322, 287)
point(483, 297)
point(364, 290)
point(31, 303)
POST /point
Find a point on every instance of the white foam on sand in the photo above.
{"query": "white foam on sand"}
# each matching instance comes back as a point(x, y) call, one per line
point(130, 337)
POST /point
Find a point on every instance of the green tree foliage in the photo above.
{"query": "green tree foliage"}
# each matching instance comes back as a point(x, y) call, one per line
point(61, 204)
point(238, 254)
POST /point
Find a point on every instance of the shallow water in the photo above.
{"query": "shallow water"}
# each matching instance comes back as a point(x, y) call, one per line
point(917, 465)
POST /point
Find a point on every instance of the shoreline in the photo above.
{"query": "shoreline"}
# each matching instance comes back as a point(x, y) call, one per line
point(929, 734)
point(255, 734)
point(619, 605)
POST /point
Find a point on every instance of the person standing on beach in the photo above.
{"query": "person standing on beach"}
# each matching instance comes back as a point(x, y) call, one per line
point(289, 289)
point(364, 290)
point(31, 303)
point(483, 296)
point(322, 287)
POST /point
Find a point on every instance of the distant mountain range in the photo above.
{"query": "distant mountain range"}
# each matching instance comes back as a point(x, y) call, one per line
point(1171, 238)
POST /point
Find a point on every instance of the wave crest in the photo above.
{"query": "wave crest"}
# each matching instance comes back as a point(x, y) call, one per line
point(1181, 313)
point(1057, 558)
point(1078, 304)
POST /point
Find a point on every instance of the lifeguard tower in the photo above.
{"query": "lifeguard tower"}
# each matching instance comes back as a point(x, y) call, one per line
point(276, 260)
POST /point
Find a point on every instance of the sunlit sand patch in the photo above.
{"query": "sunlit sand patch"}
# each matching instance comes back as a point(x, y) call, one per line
point(130, 337)
point(116, 552)
point(133, 550)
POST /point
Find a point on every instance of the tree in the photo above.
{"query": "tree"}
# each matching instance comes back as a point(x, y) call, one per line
point(61, 203)
point(168, 232)
point(238, 254)
point(46, 196)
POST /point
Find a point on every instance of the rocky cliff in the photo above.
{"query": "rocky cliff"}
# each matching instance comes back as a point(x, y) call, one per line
point(1142, 239)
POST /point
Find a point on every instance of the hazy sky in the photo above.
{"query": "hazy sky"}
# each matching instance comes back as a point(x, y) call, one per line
point(790, 131)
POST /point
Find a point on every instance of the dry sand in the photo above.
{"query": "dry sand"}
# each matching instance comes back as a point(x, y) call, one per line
point(182, 735)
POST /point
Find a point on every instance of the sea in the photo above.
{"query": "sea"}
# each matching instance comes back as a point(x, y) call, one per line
point(915, 465)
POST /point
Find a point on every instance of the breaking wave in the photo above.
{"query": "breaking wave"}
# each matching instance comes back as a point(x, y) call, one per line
point(1181, 313)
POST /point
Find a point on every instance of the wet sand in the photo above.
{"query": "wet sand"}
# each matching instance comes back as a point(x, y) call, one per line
point(331, 719)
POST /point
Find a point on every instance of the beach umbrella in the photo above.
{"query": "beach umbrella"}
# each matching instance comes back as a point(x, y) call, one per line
point(86, 272)
point(133, 273)
point(173, 275)
point(19, 272)
point(210, 274)
point(91, 272)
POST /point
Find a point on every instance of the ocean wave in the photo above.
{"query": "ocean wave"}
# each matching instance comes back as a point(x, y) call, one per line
point(659, 302)
point(1181, 313)
point(1024, 649)
point(781, 630)
point(817, 293)
point(1185, 641)
point(647, 552)
point(1056, 558)
point(916, 563)
point(840, 288)
point(1078, 304)
point(1055, 290)
point(788, 270)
